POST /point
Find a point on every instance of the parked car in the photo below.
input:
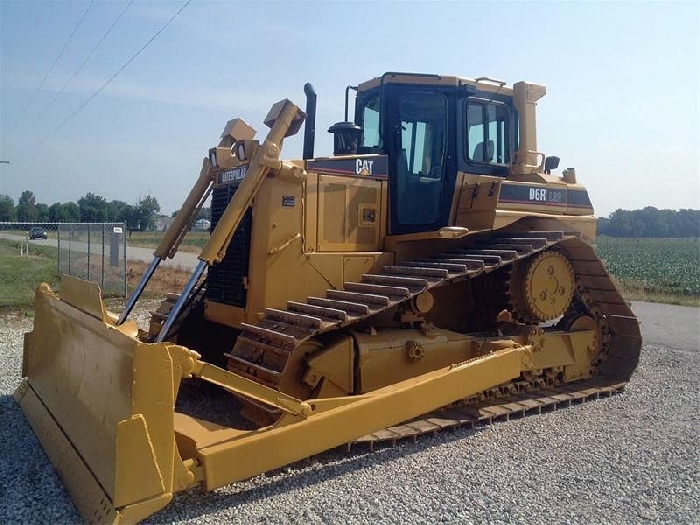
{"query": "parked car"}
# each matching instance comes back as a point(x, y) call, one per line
point(37, 232)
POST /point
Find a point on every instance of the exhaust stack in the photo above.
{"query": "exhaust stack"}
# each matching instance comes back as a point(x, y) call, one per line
point(310, 125)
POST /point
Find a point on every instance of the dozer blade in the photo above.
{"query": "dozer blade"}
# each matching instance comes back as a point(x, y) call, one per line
point(102, 405)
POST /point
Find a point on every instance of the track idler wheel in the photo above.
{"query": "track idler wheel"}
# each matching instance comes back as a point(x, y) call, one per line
point(542, 287)
point(585, 322)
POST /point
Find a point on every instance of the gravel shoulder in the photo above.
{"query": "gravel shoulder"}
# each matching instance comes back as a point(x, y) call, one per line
point(630, 458)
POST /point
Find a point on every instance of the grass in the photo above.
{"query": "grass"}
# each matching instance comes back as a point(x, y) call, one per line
point(21, 274)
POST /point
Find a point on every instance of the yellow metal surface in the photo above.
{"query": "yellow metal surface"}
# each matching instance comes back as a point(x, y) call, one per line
point(286, 116)
point(249, 388)
point(349, 211)
point(585, 224)
point(343, 419)
point(525, 97)
point(84, 295)
point(89, 498)
point(335, 365)
point(543, 286)
point(111, 398)
point(477, 200)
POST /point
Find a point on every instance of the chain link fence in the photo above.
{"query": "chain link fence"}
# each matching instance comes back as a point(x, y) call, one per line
point(34, 252)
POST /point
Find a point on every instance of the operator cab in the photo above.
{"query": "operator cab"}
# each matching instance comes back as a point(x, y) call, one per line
point(431, 127)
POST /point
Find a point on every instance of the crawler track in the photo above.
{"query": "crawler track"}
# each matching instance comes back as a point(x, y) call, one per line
point(263, 349)
point(488, 412)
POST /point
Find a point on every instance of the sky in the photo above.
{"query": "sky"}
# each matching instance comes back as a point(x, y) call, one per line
point(622, 104)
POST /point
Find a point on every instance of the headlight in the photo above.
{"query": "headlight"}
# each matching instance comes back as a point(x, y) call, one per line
point(239, 150)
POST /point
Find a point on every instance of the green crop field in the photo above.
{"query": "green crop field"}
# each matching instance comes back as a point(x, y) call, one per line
point(664, 270)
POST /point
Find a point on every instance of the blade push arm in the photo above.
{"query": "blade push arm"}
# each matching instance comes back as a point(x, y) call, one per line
point(176, 232)
point(284, 119)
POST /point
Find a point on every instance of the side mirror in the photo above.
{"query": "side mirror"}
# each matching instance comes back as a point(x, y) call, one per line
point(551, 163)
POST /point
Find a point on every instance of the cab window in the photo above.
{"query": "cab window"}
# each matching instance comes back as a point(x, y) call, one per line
point(488, 132)
point(369, 120)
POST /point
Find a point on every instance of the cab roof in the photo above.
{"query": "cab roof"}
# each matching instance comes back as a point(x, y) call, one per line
point(481, 83)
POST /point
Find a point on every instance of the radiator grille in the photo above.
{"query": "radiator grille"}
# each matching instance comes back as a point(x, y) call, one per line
point(225, 283)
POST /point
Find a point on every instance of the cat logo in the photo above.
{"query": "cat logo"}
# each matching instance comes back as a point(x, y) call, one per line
point(364, 167)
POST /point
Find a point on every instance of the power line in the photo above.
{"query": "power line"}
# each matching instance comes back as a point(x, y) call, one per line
point(60, 54)
point(110, 79)
point(94, 49)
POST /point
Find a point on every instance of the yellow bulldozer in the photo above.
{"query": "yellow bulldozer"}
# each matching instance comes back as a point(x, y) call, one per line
point(433, 272)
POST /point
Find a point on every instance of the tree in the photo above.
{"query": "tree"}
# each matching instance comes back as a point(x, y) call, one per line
point(42, 212)
point(93, 208)
point(26, 210)
point(7, 208)
point(68, 212)
point(148, 207)
point(120, 211)
point(117, 211)
point(651, 222)
point(132, 218)
point(72, 211)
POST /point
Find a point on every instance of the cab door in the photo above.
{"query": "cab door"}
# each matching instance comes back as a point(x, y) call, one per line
point(422, 167)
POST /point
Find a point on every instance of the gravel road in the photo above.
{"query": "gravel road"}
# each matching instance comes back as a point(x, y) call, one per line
point(184, 260)
point(630, 458)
